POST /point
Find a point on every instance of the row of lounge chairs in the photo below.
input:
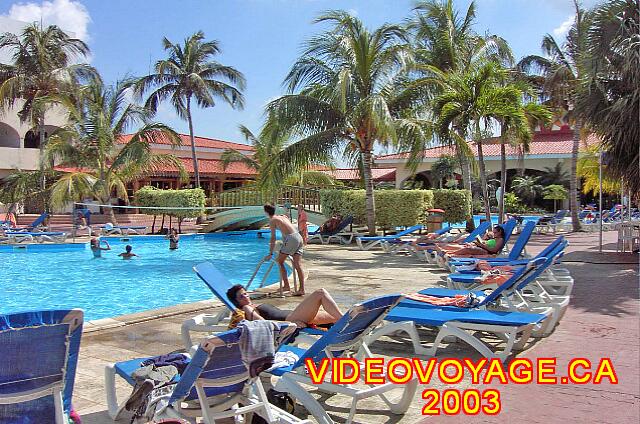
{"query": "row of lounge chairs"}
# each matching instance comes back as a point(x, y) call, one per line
point(216, 382)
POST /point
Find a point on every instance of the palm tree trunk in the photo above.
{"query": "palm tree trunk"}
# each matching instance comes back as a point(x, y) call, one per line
point(193, 144)
point(483, 182)
point(368, 186)
point(43, 178)
point(573, 189)
point(503, 177)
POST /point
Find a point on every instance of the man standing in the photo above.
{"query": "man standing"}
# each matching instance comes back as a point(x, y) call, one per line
point(291, 246)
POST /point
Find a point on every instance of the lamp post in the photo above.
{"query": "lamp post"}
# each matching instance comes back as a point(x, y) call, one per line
point(600, 196)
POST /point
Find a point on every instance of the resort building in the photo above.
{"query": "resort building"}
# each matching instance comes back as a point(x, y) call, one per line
point(351, 176)
point(549, 148)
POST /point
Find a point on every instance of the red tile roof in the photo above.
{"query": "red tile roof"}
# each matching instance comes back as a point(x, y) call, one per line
point(543, 143)
point(206, 167)
point(379, 174)
point(205, 142)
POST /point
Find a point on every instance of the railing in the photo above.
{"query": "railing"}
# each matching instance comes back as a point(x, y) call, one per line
point(287, 195)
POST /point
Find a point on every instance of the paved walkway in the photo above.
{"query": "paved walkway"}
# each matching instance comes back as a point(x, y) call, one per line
point(602, 320)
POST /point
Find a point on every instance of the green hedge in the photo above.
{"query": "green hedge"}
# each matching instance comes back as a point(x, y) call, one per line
point(455, 203)
point(152, 197)
point(393, 207)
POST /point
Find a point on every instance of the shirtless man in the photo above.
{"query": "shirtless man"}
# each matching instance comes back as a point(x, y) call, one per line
point(291, 246)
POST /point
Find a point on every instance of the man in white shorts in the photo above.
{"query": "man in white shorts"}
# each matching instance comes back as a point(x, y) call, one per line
point(292, 245)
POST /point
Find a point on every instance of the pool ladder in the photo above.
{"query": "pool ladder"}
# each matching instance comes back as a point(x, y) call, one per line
point(270, 264)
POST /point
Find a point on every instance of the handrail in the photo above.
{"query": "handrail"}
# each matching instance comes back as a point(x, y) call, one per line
point(293, 195)
point(271, 263)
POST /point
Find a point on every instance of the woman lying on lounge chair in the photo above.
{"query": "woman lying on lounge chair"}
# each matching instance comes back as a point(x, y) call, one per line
point(428, 241)
point(491, 244)
point(305, 314)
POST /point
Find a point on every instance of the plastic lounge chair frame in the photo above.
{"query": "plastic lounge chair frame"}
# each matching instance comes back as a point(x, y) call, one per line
point(337, 234)
point(346, 339)
point(55, 338)
point(369, 242)
point(216, 364)
point(480, 230)
point(465, 329)
point(218, 284)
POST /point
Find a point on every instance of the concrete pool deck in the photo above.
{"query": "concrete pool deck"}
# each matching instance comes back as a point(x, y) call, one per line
point(602, 321)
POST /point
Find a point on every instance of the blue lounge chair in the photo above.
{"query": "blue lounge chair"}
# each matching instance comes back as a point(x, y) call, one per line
point(528, 294)
point(215, 377)
point(33, 227)
point(39, 353)
point(337, 233)
point(344, 339)
point(368, 242)
point(207, 323)
point(508, 227)
point(457, 321)
point(515, 253)
point(125, 230)
point(20, 236)
point(479, 231)
point(553, 223)
point(399, 244)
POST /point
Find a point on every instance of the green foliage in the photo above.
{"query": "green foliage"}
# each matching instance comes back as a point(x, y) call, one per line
point(554, 192)
point(393, 207)
point(527, 187)
point(455, 203)
point(444, 167)
point(152, 197)
point(512, 204)
point(243, 198)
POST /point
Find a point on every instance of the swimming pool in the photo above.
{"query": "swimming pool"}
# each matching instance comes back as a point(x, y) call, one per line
point(49, 276)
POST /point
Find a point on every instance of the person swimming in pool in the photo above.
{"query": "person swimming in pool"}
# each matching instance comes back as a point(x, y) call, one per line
point(97, 248)
point(174, 238)
point(292, 245)
point(307, 312)
point(127, 254)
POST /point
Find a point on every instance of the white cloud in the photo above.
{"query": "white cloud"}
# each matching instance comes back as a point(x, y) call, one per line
point(564, 27)
point(70, 15)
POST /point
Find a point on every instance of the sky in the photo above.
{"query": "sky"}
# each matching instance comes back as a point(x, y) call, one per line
point(261, 38)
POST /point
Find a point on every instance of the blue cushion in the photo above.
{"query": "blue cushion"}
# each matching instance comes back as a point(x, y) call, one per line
point(288, 348)
point(439, 316)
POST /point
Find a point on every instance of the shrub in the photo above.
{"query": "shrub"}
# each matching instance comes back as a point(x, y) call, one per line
point(153, 197)
point(512, 204)
point(393, 207)
point(455, 203)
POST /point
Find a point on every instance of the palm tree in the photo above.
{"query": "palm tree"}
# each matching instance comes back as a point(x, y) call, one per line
point(477, 98)
point(267, 145)
point(444, 167)
point(511, 131)
point(563, 70)
point(555, 175)
point(609, 99)
point(446, 41)
point(98, 119)
point(343, 99)
point(41, 67)
point(527, 187)
point(189, 74)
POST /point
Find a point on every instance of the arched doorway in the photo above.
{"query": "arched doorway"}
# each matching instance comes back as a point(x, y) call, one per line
point(32, 137)
point(9, 137)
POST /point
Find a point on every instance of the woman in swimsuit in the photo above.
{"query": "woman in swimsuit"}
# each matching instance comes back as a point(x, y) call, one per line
point(174, 238)
point(307, 312)
point(487, 247)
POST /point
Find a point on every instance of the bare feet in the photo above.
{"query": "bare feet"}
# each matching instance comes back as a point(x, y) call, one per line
point(298, 293)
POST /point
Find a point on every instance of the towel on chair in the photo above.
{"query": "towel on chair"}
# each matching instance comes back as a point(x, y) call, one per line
point(257, 344)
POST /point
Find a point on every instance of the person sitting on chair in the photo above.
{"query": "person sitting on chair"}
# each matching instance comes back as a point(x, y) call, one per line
point(306, 313)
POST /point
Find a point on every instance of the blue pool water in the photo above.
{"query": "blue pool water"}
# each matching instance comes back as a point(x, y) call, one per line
point(47, 277)
point(494, 219)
